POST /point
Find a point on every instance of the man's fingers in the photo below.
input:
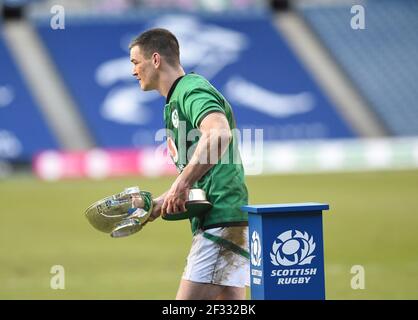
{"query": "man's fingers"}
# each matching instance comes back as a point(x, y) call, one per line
point(173, 205)
point(137, 201)
point(177, 208)
point(169, 208)
point(164, 207)
point(180, 206)
point(183, 206)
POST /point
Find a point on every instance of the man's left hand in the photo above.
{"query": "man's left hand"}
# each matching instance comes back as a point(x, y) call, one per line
point(176, 197)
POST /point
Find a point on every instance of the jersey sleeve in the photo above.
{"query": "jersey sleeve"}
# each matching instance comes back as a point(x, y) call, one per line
point(200, 102)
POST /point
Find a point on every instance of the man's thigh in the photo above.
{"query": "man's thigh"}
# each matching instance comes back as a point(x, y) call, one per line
point(232, 293)
point(189, 290)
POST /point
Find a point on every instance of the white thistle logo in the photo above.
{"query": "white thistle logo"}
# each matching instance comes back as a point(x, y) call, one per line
point(289, 250)
point(255, 249)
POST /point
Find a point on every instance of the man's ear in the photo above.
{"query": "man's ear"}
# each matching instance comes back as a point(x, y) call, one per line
point(156, 60)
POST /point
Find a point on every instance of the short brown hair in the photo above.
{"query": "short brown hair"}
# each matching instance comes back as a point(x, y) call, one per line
point(161, 41)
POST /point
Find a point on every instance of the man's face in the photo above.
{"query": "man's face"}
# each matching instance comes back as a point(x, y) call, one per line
point(143, 69)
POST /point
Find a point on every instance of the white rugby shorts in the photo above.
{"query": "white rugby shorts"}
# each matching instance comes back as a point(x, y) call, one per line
point(219, 256)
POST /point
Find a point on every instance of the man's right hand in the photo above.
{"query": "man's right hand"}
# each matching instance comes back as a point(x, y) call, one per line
point(156, 207)
point(156, 210)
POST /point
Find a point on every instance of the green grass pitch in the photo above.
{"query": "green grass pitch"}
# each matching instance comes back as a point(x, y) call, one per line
point(373, 222)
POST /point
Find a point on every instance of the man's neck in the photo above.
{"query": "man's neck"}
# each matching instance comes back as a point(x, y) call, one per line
point(167, 80)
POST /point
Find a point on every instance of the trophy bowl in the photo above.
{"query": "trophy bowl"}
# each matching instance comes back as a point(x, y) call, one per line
point(114, 214)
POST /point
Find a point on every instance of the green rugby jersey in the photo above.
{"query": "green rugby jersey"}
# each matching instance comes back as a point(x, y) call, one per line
point(190, 99)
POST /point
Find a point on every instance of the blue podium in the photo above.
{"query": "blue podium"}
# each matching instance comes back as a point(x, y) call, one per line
point(286, 251)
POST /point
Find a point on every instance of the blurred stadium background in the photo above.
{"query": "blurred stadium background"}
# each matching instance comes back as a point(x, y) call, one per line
point(338, 108)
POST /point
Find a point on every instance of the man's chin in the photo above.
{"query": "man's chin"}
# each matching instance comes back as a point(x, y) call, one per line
point(144, 87)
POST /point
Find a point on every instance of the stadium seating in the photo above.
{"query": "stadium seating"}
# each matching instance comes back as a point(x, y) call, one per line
point(246, 59)
point(23, 129)
point(381, 60)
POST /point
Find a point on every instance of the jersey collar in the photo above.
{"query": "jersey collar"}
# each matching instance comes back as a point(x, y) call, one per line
point(173, 86)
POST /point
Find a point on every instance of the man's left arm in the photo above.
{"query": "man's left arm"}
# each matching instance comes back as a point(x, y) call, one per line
point(213, 142)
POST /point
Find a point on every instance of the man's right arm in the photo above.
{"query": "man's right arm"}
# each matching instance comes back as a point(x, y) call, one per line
point(137, 202)
point(156, 210)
